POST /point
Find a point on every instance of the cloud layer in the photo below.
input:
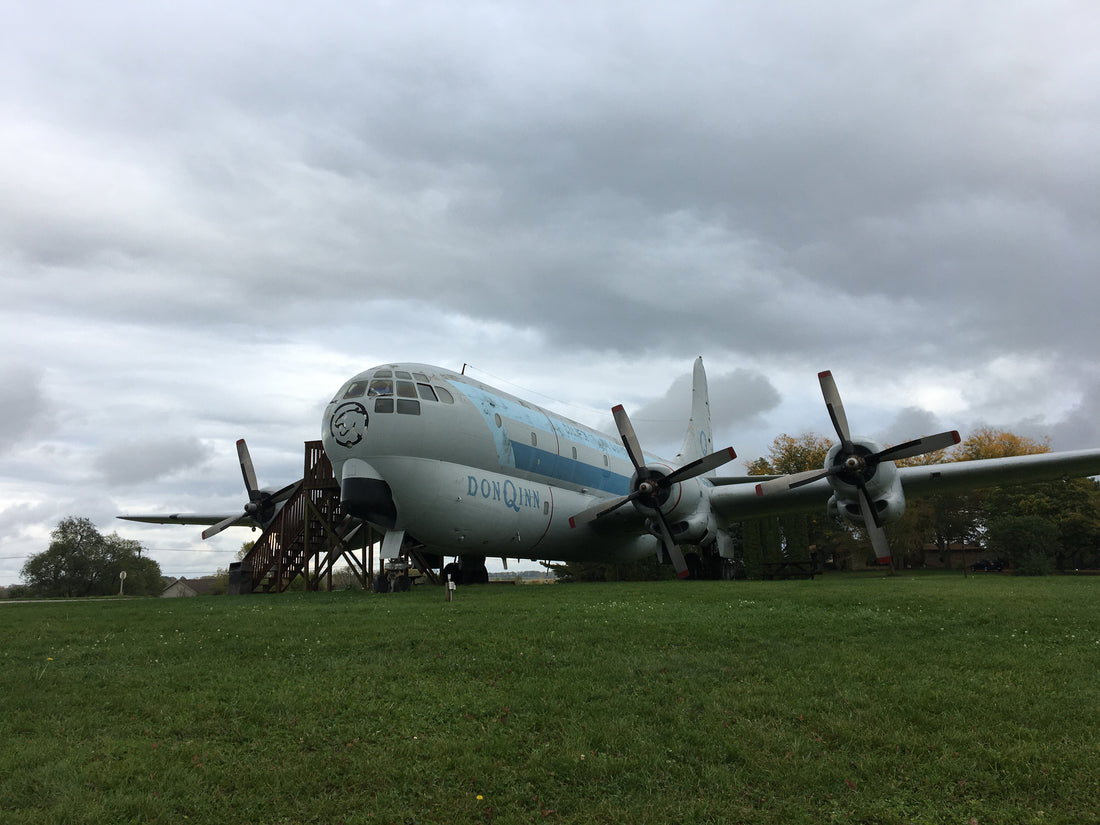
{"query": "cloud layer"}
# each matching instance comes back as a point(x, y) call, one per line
point(211, 216)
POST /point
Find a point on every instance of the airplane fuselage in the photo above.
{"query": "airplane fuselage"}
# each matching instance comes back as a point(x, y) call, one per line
point(469, 469)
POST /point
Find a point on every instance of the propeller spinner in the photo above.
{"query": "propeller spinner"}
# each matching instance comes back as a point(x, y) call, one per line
point(855, 464)
point(261, 503)
point(650, 487)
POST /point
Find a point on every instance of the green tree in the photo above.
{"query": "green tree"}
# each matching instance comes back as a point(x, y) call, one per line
point(81, 562)
point(1027, 543)
point(797, 533)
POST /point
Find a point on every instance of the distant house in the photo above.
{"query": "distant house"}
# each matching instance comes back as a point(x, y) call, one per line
point(190, 587)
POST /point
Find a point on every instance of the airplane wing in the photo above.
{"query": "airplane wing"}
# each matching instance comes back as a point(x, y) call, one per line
point(734, 499)
point(192, 518)
point(998, 472)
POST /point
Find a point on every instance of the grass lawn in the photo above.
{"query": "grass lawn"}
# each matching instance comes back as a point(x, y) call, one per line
point(905, 699)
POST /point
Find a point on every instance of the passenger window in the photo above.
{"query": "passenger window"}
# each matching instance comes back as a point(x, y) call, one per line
point(444, 395)
point(408, 407)
point(383, 405)
point(534, 440)
point(426, 392)
point(406, 389)
point(574, 453)
point(606, 463)
point(356, 390)
point(380, 387)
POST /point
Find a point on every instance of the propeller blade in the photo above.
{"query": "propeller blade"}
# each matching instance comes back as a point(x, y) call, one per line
point(920, 446)
point(874, 528)
point(778, 485)
point(835, 407)
point(672, 548)
point(700, 466)
point(629, 437)
point(286, 492)
point(599, 509)
point(875, 531)
point(247, 470)
point(214, 529)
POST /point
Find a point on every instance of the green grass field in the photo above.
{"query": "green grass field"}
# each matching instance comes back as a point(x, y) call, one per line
point(907, 699)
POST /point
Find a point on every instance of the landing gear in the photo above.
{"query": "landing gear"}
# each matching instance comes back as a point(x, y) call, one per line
point(467, 570)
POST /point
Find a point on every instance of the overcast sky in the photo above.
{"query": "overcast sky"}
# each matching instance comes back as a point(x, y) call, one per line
point(212, 214)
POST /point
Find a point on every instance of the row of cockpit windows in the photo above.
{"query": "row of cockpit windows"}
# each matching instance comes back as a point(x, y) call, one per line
point(399, 390)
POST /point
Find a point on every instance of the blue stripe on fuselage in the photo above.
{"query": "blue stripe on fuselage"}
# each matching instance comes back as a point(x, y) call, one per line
point(569, 470)
point(543, 462)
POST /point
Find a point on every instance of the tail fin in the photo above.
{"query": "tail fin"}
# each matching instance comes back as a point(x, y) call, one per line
point(697, 439)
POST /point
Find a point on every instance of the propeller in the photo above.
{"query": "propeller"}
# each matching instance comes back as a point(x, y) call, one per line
point(651, 486)
point(261, 503)
point(856, 464)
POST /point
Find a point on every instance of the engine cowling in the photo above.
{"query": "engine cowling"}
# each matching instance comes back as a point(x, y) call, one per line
point(880, 480)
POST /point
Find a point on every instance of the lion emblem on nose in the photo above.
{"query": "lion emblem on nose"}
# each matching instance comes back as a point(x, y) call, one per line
point(348, 423)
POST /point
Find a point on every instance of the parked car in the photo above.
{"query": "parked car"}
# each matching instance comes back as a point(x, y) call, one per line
point(988, 566)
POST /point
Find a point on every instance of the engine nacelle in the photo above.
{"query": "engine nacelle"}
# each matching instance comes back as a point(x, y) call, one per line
point(880, 479)
point(684, 505)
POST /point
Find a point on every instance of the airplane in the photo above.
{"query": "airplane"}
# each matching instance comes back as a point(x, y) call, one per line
point(428, 454)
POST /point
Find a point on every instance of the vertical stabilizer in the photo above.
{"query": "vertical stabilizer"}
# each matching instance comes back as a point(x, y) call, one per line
point(697, 439)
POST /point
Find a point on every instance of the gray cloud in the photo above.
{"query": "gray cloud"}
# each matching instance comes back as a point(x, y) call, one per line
point(210, 216)
point(148, 457)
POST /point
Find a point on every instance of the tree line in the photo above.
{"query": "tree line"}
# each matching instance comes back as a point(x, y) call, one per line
point(80, 561)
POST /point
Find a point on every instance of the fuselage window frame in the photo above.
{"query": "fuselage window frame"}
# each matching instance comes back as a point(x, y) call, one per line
point(357, 389)
point(379, 387)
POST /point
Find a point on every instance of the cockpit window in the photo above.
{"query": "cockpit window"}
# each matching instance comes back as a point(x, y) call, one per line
point(426, 392)
point(382, 386)
point(421, 377)
point(403, 374)
point(406, 389)
point(444, 395)
point(408, 407)
point(356, 390)
point(383, 405)
point(383, 374)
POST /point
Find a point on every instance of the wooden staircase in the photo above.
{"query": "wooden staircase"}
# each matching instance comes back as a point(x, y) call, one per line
point(309, 535)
